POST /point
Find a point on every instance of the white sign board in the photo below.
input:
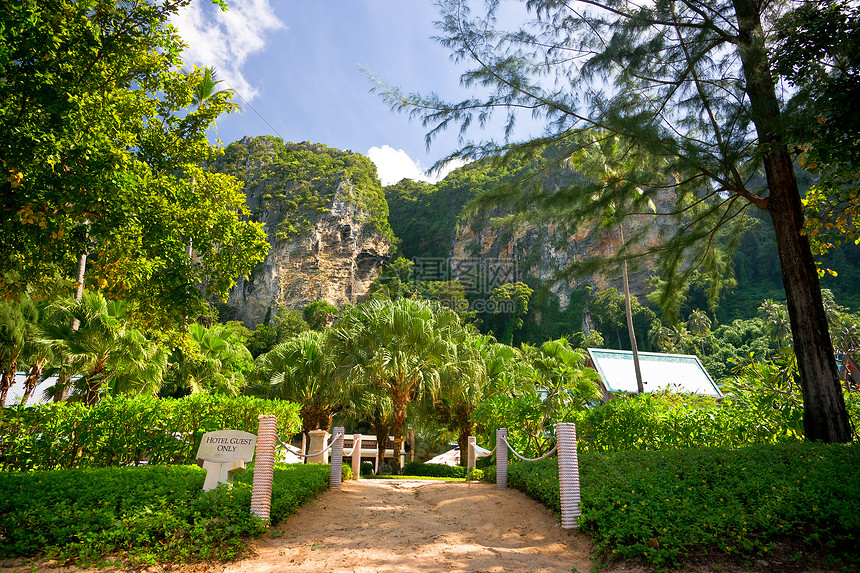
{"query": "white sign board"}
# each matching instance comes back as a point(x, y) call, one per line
point(225, 446)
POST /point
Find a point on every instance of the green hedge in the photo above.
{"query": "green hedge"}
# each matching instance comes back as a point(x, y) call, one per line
point(121, 431)
point(433, 470)
point(712, 500)
point(143, 515)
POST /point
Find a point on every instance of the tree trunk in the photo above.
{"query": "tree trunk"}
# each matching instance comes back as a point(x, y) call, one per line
point(824, 415)
point(400, 400)
point(32, 380)
point(640, 387)
point(6, 382)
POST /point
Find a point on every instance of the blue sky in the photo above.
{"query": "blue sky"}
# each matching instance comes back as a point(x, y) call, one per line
point(298, 67)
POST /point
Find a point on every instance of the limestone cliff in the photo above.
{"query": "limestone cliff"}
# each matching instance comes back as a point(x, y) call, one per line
point(326, 220)
point(541, 251)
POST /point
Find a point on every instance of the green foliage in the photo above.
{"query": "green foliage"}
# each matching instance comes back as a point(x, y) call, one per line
point(517, 296)
point(301, 181)
point(320, 314)
point(712, 500)
point(433, 470)
point(425, 217)
point(661, 421)
point(121, 431)
point(268, 334)
point(213, 361)
point(146, 515)
point(546, 385)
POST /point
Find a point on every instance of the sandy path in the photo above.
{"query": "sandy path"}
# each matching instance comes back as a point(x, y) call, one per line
point(405, 526)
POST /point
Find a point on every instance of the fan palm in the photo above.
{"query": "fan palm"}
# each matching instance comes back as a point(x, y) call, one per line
point(302, 370)
point(15, 320)
point(104, 349)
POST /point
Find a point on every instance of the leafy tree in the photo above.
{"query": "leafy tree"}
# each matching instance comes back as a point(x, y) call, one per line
point(37, 355)
point(100, 134)
point(286, 324)
point(320, 314)
point(817, 50)
point(689, 83)
point(549, 383)
point(465, 380)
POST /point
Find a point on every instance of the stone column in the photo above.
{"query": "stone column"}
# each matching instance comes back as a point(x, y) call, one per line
point(317, 445)
point(356, 456)
point(470, 460)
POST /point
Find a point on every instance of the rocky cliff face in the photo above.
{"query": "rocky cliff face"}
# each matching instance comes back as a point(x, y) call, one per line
point(541, 251)
point(331, 252)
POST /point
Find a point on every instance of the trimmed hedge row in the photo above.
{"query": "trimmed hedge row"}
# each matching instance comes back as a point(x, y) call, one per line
point(664, 506)
point(122, 431)
point(142, 515)
point(433, 470)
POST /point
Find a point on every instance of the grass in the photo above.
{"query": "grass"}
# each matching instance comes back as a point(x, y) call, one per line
point(141, 515)
point(670, 506)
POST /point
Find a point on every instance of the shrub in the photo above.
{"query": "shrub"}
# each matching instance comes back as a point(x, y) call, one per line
point(163, 431)
point(366, 468)
point(143, 514)
point(346, 473)
point(433, 470)
point(712, 500)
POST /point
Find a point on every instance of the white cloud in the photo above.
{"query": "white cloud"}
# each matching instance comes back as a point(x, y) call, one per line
point(392, 165)
point(224, 40)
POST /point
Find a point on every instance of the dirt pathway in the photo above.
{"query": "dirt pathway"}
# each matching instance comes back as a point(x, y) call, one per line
point(406, 526)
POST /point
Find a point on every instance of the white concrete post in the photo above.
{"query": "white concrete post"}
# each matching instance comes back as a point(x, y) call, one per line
point(356, 456)
point(317, 445)
point(501, 458)
point(470, 460)
point(264, 466)
point(336, 458)
point(568, 474)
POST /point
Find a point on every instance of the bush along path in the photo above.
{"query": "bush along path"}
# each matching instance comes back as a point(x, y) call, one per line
point(778, 507)
point(140, 515)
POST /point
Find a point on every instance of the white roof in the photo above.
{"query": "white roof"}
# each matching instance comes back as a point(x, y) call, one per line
point(678, 372)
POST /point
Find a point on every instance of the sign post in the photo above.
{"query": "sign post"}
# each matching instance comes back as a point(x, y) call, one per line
point(223, 453)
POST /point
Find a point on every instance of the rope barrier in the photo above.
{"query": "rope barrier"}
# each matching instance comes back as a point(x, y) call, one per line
point(543, 457)
point(334, 438)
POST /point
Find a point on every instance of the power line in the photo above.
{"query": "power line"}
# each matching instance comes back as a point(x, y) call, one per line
point(247, 103)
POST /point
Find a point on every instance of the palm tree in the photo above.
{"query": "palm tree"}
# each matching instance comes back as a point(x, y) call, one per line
point(302, 370)
point(699, 325)
point(465, 380)
point(15, 320)
point(398, 347)
point(606, 160)
point(103, 349)
point(37, 355)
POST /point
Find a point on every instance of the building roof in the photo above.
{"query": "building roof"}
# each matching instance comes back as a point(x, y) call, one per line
point(678, 372)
